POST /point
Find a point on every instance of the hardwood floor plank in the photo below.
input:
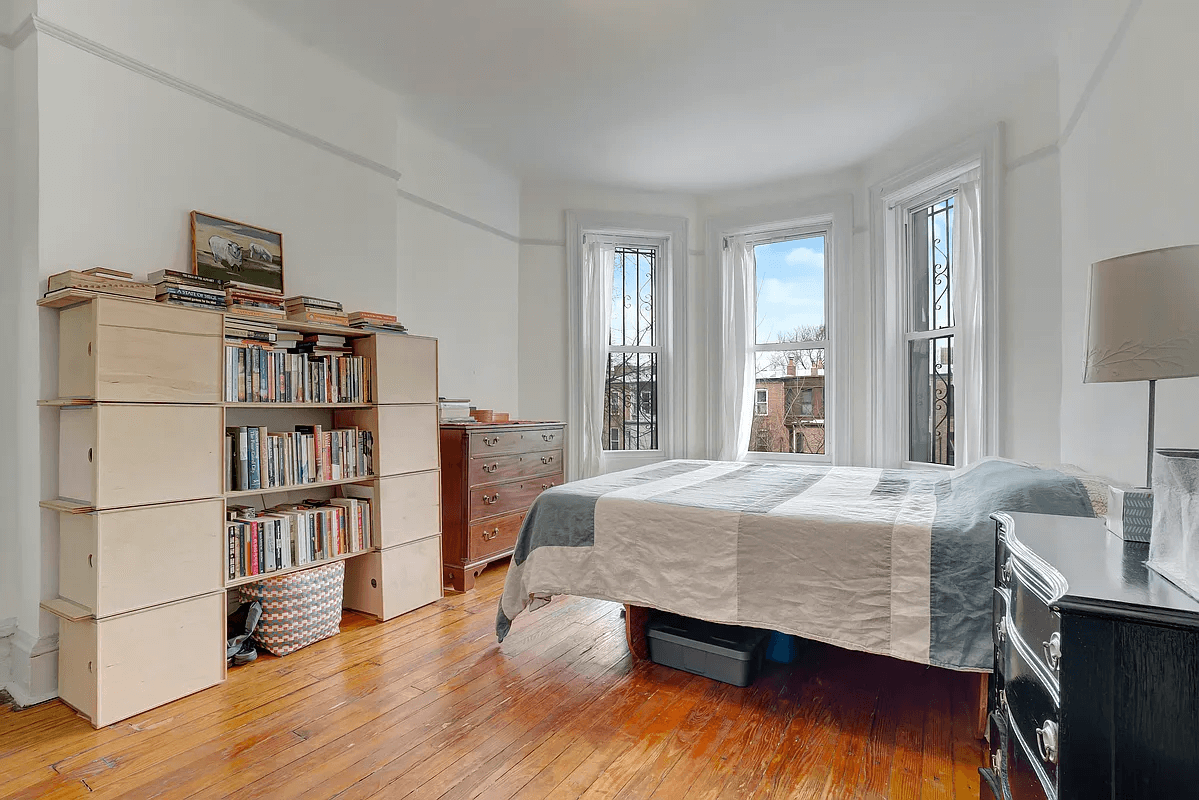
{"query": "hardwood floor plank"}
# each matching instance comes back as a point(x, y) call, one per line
point(429, 705)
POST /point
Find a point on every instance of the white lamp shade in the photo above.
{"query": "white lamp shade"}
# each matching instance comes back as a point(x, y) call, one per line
point(1143, 317)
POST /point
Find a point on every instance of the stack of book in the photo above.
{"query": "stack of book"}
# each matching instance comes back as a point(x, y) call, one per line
point(376, 323)
point(251, 333)
point(98, 279)
point(258, 373)
point(303, 308)
point(294, 535)
point(454, 410)
point(185, 289)
point(244, 301)
point(257, 459)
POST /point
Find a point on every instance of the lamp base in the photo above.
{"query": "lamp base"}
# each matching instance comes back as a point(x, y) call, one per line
point(1130, 513)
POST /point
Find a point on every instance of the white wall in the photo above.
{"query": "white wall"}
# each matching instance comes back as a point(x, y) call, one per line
point(134, 117)
point(542, 353)
point(9, 575)
point(1128, 180)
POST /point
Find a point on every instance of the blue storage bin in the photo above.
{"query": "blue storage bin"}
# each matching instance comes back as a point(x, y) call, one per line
point(782, 647)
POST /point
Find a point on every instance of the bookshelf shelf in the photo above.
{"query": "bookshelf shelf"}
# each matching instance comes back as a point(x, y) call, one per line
point(299, 487)
point(298, 405)
point(232, 584)
point(143, 515)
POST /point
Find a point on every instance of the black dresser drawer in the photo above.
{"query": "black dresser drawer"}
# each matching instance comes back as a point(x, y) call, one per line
point(1032, 706)
point(1022, 779)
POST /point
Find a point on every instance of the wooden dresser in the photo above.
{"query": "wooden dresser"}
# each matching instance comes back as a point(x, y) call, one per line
point(1096, 664)
point(490, 475)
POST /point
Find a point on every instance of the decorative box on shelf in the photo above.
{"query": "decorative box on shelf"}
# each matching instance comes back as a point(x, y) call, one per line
point(1130, 513)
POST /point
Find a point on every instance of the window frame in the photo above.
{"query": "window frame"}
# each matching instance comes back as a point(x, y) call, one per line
point(670, 314)
point(764, 402)
point(834, 217)
point(892, 202)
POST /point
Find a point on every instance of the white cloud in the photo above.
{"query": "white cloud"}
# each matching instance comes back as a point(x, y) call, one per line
point(805, 257)
point(789, 293)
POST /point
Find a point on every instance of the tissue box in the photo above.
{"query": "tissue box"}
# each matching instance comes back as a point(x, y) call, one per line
point(1174, 546)
point(1130, 513)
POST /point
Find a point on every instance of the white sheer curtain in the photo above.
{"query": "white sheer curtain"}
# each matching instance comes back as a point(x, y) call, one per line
point(736, 357)
point(970, 391)
point(599, 259)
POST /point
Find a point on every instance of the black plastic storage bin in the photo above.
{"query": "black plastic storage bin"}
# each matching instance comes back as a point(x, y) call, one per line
point(725, 653)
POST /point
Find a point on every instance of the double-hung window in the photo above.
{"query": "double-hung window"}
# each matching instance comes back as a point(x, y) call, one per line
point(626, 340)
point(634, 347)
point(937, 360)
point(930, 330)
point(791, 342)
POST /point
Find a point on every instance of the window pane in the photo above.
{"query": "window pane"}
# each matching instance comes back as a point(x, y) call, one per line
point(790, 290)
point(631, 401)
point(633, 297)
point(931, 401)
point(793, 384)
point(930, 231)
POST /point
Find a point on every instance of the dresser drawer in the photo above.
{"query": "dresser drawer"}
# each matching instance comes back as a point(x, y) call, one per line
point(1022, 777)
point(110, 562)
point(113, 349)
point(150, 454)
point(1038, 624)
point(493, 536)
point(495, 441)
point(502, 468)
point(504, 498)
point(1031, 707)
point(110, 669)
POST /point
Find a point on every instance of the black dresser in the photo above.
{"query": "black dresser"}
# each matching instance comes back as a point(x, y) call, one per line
point(1095, 692)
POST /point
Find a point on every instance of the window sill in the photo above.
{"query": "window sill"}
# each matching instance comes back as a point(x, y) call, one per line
point(918, 465)
point(787, 458)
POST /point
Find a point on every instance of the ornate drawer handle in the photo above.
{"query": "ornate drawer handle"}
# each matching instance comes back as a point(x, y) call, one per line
point(547, 459)
point(492, 442)
point(1005, 572)
point(1047, 741)
point(492, 468)
point(549, 437)
point(1053, 649)
point(548, 485)
point(1001, 630)
point(495, 498)
point(487, 537)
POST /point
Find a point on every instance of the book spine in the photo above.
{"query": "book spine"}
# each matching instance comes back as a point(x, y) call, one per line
point(254, 462)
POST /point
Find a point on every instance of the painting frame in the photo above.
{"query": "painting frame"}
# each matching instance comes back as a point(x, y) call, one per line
point(236, 252)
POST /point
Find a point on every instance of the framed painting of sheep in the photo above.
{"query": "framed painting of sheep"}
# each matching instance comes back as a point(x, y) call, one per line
point(236, 252)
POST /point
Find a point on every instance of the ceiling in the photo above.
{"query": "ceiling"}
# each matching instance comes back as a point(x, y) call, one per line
point(689, 95)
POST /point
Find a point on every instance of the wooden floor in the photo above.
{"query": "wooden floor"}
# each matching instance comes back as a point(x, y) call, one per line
point(429, 706)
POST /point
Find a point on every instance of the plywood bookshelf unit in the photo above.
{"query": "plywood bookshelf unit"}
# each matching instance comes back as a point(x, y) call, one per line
point(143, 579)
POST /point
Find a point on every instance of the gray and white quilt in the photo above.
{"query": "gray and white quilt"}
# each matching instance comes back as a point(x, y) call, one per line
point(895, 562)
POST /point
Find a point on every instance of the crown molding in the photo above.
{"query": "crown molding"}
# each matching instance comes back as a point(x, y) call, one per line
point(79, 42)
point(454, 215)
point(12, 41)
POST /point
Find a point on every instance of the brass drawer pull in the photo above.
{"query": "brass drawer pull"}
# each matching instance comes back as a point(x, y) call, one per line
point(547, 459)
point(1053, 650)
point(1005, 572)
point(487, 537)
point(548, 485)
point(492, 442)
point(549, 437)
point(1001, 630)
point(492, 468)
point(495, 498)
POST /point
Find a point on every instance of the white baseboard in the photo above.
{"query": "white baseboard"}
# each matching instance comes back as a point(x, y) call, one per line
point(31, 676)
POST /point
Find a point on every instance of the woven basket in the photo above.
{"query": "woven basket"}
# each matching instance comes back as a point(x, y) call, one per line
point(298, 608)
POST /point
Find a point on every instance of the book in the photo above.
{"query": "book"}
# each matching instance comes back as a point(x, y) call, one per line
point(241, 311)
point(319, 317)
point(109, 272)
point(378, 328)
point(188, 293)
point(186, 278)
point(371, 316)
point(72, 279)
point(314, 303)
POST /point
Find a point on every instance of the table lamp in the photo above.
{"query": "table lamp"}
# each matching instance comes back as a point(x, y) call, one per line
point(1142, 325)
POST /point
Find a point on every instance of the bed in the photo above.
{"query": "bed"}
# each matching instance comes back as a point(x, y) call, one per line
point(894, 562)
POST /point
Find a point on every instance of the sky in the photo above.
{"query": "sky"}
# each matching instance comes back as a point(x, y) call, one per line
point(790, 284)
